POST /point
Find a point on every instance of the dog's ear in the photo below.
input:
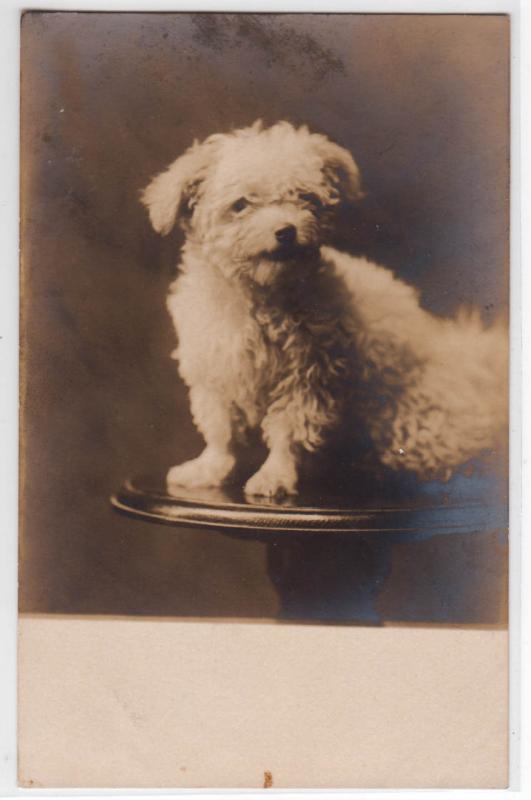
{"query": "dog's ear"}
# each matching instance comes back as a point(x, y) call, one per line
point(340, 168)
point(173, 193)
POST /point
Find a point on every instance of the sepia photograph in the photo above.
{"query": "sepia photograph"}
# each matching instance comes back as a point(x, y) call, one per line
point(265, 276)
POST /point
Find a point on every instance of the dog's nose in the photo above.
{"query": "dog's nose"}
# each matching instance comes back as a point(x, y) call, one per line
point(286, 235)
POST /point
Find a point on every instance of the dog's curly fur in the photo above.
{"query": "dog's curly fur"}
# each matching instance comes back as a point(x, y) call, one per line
point(294, 337)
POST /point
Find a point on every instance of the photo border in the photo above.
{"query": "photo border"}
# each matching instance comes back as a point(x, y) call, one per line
point(520, 242)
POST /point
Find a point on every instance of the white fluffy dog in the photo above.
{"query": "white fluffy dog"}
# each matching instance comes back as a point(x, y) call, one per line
point(295, 337)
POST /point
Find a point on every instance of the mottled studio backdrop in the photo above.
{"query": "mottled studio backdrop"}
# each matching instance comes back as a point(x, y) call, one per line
point(107, 101)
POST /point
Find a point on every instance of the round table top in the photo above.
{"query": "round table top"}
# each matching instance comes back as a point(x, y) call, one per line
point(370, 503)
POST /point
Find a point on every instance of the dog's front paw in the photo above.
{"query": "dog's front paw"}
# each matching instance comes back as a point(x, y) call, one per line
point(272, 481)
point(208, 470)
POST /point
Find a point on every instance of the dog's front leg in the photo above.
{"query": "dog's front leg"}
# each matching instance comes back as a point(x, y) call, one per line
point(212, 417)
point(278, 474)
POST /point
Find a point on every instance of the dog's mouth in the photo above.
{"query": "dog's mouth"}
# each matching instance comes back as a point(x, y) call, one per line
point(290, 252)
point(284, 263)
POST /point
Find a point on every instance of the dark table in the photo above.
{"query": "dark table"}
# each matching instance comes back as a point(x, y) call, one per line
point(329, 549)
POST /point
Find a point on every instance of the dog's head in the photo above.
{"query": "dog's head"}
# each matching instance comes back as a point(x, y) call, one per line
point(262, 198)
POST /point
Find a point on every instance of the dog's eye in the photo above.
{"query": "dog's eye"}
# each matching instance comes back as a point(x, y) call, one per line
point(240, 204)
point(311, 199)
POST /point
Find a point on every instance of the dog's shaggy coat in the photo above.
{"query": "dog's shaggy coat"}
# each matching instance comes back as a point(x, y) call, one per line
point(294, 337)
